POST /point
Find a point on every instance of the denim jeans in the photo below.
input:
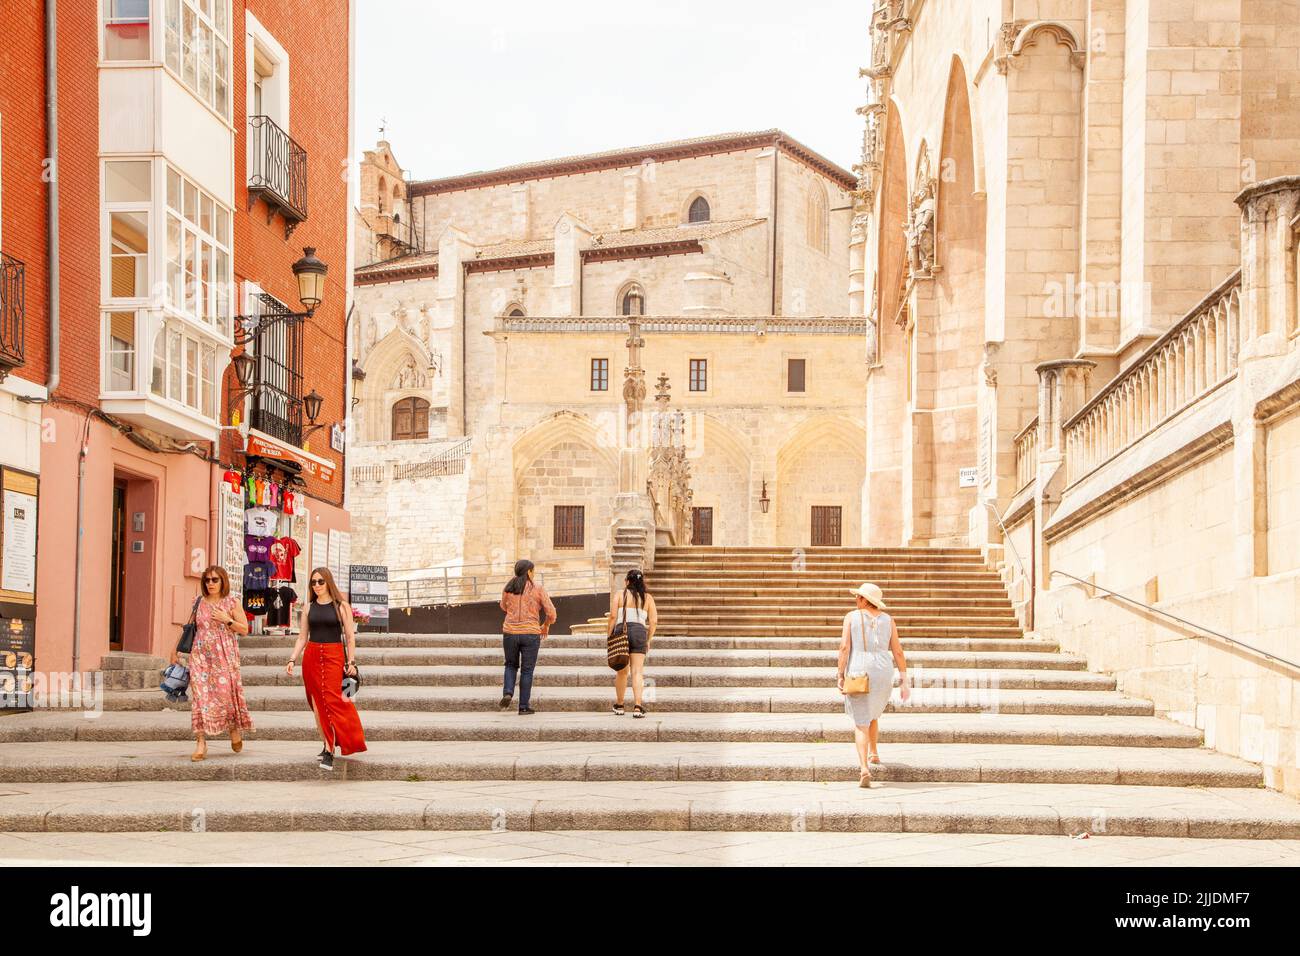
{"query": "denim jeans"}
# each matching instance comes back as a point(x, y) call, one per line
point(521, 656)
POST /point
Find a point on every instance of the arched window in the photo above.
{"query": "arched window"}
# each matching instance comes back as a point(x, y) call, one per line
point(633, 300)
point(817, 218)
point(410, 419)
point(699, 210)
point(516, 313)
point(383, 188)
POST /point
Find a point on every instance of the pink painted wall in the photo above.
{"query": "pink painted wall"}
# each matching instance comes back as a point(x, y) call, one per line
point(159, 593)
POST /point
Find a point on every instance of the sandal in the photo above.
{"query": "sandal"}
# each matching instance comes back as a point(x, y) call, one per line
point(864, 779)
point(200, 752)
point(873, 758)
point(638, 711)
point(619, 710)
point(236, 742)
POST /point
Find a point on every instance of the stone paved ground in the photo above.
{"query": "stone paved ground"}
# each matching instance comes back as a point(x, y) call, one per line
point(633, 847)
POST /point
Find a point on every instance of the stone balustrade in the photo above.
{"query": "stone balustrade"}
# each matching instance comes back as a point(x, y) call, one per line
point(1027, 454)
point(727, 325)
point(1197, 355)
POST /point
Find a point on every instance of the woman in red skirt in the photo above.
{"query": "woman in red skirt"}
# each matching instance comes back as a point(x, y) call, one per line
point(326, 629)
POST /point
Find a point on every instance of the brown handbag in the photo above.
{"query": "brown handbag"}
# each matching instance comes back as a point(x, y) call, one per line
point(616, 646)
point(861, 684)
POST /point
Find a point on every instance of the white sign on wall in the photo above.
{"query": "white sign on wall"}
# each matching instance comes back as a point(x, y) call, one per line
point(19, 542)
point(968, 477)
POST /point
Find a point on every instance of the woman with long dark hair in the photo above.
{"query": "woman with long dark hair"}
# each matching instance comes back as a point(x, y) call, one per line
point(327, 630)
point(634, 608)
point(524, 601)
point(216, 690)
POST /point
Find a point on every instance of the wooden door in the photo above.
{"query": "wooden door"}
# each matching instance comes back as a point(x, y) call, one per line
point(702, 526)
point(826, 525)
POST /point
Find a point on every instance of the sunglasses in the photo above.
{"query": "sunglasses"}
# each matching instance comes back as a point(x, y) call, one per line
point(316, 581)
point(212, 580)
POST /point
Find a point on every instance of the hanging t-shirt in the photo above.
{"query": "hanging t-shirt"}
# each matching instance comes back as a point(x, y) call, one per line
point(257, 576)
point(289, 503)
point(260, 522)
point(256, 602)
point(232, 479)
point(281, 612)
point(258, 547)
point(251, 485)
point(282, 553)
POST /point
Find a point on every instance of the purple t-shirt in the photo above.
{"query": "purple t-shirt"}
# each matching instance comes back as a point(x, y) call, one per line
point(258, 548)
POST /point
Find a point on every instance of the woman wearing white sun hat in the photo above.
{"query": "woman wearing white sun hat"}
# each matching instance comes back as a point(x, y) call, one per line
point(870, 639)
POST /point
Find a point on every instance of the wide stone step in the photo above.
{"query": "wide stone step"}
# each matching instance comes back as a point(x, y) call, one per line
point(380, 643)
point(626, 760)
point(767, 550)
point(906, 594)
point(1058, 809)
point(1042, 729)
point(794, 628)
point(824, 578)
point(837, 607)
point(994, 602)
point(560, 674)
point(745, 614)
point(664, 657)
point(963, 699)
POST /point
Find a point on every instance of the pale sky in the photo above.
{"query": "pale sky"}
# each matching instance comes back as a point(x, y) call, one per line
point(472, 86)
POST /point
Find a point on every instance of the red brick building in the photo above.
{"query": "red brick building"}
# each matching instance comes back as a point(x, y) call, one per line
point(201, 146)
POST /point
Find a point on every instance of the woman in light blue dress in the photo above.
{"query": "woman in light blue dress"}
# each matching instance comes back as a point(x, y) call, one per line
point(870, 646)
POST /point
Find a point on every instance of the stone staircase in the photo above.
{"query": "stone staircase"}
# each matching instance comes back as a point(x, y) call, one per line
point(1004, 733)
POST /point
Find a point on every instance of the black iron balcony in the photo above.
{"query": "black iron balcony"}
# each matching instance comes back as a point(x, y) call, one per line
point(277, 385)
point(277, 172)
point(13, 308)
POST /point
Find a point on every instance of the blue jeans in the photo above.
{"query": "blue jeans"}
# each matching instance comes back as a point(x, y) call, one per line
point(521, 656)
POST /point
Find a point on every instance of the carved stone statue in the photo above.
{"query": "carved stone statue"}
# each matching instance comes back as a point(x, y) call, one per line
point(920, 240)
point(371, 333)
point(409, 376)
point(920, 222)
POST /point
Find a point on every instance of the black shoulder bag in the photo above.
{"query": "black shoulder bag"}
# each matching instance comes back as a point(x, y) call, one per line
point(186, 644)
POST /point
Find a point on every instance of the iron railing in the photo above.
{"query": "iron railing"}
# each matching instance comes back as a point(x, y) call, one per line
point(277, 171)
point(1278, 659)
point(391, 227)
point(13, 310)
point(473, 583)
point(277, 385)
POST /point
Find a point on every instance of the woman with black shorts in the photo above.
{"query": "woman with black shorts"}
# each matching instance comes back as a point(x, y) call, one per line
point(634, 607)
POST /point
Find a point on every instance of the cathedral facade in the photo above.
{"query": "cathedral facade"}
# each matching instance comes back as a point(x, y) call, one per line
point(503, 315)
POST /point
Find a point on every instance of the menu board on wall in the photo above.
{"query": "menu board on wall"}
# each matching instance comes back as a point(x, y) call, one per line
point(18, 538)
point(340, 550)
point(298, 531)
point(232, 539)
point(320, 557)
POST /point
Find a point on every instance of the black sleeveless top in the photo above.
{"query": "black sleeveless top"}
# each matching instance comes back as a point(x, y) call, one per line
point(323, 625)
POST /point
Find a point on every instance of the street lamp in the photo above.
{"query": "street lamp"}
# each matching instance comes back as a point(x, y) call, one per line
point(764, 502)
point(311, 403)
point(311, 279)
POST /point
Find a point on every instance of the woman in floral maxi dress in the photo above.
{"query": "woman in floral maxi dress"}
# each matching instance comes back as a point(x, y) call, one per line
point(216, 689)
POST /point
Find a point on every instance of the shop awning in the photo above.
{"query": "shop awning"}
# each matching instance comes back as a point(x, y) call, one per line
point(263, 445)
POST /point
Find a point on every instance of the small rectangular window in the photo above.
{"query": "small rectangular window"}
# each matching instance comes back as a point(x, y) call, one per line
point(600, 375)
point(795, 369)
point(569, 526)
point(699, 375)
point(126, 29)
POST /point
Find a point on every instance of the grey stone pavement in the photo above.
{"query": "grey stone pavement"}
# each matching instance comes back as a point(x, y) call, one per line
point(631, 847)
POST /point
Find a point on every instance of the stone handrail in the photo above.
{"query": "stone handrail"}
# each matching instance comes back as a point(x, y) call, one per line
point(1027, 454)
point(1195, 356)
point(715, 324)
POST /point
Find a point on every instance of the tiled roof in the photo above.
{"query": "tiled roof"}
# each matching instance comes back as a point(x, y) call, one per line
point(633, 155)
point(424, 262)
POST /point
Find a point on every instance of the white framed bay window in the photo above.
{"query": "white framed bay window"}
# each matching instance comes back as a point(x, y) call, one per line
point(166, 314)
point(196, 47)
point(198, 254)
